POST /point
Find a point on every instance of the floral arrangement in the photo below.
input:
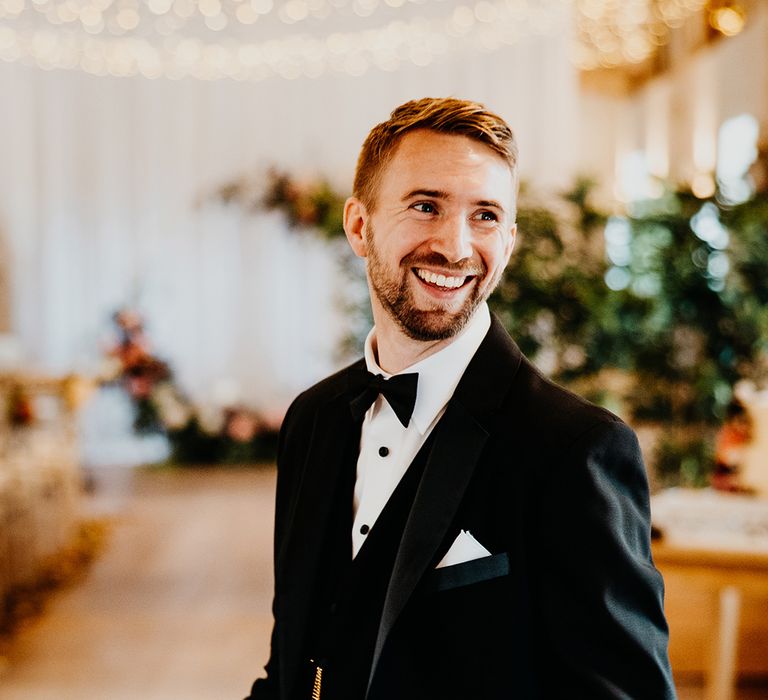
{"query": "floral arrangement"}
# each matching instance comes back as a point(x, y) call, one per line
point(198, 435)
point(132, 365)
point(733, 439)
point(310, 204)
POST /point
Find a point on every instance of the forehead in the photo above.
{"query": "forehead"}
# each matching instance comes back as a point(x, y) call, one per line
point(446, 162)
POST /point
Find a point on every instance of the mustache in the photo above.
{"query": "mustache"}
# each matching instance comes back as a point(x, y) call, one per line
point(459, 269)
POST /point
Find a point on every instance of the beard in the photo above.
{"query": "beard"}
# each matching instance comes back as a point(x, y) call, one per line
point(395, 293)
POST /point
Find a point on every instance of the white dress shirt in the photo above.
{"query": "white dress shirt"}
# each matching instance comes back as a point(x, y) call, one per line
point(386, 447)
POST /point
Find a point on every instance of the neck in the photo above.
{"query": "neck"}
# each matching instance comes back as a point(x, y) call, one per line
point(394, 354)
point(394, 350)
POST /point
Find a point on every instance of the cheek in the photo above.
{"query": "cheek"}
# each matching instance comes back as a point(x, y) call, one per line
point(398, 244)
point(494, 254)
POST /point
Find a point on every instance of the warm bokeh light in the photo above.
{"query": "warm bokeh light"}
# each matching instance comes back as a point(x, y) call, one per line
point(126, 31)
point(728, 20)
point(703, 185)
point(618, 33)
point(609, 34)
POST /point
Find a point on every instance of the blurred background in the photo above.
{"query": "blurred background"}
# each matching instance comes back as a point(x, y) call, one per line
point(173, 272)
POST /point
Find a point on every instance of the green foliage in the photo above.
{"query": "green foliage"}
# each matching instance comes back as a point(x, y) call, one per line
point(686, 313)
point(706, 319)
point(191, 445)
point(683, 461)
point(552, 297)
point(146, 419)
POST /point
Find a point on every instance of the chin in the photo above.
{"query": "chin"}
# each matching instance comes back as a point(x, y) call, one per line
point(423, 326)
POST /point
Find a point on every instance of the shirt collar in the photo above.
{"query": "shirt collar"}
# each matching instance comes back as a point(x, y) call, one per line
point(439, 374)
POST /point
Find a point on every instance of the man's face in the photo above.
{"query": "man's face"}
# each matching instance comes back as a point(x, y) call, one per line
point(441, 233)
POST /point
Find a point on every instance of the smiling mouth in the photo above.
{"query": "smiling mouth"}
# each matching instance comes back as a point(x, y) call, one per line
point(439, 281)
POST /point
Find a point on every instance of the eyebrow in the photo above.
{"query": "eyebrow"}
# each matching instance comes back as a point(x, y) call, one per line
point(440, 194)
point(434, 194)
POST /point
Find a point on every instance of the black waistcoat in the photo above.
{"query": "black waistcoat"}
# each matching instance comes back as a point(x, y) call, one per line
point(350, 593)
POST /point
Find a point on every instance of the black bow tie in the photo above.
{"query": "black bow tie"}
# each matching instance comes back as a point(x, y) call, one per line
point(399, 391)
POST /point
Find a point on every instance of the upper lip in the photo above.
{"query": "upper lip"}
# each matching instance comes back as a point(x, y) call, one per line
point(446, 273)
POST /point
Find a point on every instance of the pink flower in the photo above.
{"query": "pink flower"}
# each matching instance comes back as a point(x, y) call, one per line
point(139, 387)
point(242, 426)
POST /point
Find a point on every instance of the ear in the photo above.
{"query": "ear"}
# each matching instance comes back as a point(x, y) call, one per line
point(510, 246)
point(355, 218)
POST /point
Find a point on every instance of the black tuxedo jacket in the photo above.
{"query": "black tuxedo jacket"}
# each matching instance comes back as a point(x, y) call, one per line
point(569, 605)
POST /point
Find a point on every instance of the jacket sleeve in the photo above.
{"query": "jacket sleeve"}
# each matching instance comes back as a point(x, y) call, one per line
point(600, 596)
point(268, 687)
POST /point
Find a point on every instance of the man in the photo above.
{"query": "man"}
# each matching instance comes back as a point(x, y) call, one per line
point(490, 540)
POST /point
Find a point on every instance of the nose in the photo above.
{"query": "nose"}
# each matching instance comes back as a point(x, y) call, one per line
point(453, 239)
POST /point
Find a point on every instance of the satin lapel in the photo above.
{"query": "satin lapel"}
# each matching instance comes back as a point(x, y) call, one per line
point(460, 437)
point(327, 455)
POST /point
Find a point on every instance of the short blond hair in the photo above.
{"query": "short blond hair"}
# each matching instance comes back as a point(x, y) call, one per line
point(445, 115)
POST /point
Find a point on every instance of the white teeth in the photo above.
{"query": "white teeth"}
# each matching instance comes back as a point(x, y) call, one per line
point(440, 280)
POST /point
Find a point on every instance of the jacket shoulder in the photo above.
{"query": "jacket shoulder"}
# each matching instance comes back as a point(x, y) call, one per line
point(326, 389)
point(546, 407)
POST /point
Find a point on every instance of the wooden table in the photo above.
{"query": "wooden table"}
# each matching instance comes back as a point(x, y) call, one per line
point(716, 587)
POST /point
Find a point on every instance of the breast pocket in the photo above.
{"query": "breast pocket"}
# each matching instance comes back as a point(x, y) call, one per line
point(470, 622)
point(470, 572)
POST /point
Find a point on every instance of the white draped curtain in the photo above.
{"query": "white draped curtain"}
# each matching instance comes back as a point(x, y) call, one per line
point(104, 201)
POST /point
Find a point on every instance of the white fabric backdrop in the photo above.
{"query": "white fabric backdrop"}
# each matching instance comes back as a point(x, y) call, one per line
point(99, 179)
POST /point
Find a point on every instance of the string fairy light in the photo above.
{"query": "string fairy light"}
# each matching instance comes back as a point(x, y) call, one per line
point(243, 39)
point(124, 46)
point(613, 33)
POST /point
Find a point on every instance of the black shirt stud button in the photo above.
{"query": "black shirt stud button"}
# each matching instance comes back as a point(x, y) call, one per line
point(383, 451)
point(364, 529)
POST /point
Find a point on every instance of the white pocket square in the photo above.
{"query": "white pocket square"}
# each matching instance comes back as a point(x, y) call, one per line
point(464, 548)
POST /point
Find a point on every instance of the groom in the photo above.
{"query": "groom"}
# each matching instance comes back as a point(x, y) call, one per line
point(449, 523)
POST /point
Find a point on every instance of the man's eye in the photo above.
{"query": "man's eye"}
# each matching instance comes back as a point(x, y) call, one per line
point(425, 207)
point(487, 216)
